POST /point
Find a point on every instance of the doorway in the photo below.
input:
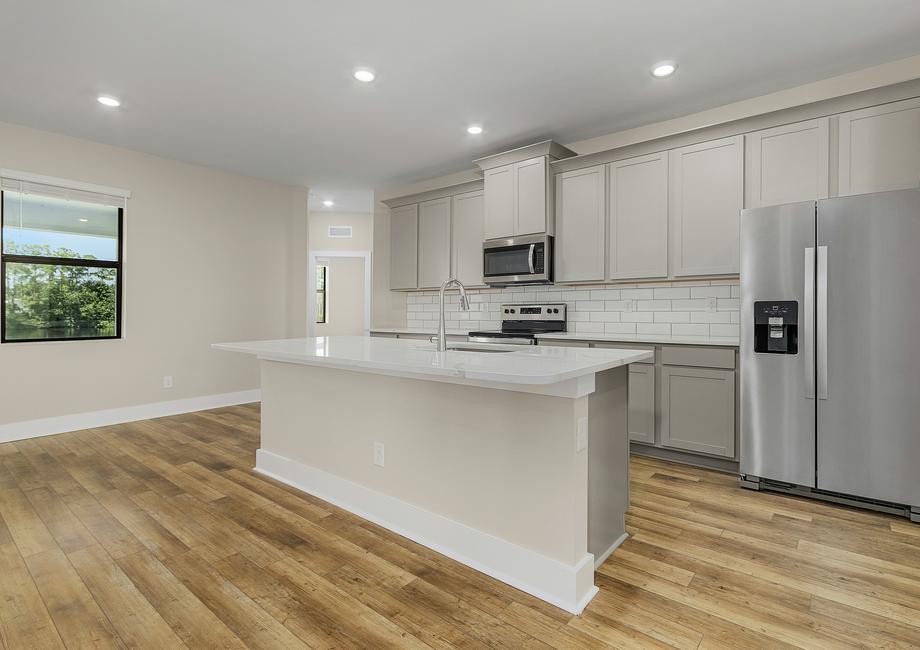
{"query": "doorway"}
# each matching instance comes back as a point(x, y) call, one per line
point(338, 301)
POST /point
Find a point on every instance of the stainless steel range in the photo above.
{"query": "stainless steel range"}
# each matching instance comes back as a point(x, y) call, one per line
point(522, 322)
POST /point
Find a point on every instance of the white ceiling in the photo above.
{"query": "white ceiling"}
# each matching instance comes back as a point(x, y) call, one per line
point(265, 88)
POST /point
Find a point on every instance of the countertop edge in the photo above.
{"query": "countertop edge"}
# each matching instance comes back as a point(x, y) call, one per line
point(715, 341)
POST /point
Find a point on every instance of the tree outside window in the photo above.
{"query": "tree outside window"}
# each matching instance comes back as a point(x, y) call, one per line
point(61, 266)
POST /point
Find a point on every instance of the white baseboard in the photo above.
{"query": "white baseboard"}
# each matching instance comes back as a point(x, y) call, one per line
point(600, 559)
point(80, 421)
point(568, 587)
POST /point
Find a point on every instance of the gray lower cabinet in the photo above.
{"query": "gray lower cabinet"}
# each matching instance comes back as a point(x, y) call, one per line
point(698, 409)
point(641, 414)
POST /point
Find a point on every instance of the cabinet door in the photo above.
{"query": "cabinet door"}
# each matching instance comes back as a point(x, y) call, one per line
point(433, 242)
point(787, 164)
point(530, 193)
point(880, 148)
point(641, 411)
point(580, 225)
point(468, 233)
point(404, 247)
point(499, 201)
point(638, 200)
point(698, 410)
point(705, 199)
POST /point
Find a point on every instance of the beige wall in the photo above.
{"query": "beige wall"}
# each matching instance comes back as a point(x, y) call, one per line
point(362, 231)
point(345, 295)
point(210, 256)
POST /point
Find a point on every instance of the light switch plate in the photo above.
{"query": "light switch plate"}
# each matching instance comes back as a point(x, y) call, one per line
point(378, 454)
point(581, 435)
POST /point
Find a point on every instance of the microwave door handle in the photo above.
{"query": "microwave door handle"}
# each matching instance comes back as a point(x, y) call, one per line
point(533, 247)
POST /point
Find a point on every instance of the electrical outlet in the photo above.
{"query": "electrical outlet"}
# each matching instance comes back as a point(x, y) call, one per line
point(581, 435)
point(712, 304)
point(630, 305)
point(167, 381)
point(378, 454)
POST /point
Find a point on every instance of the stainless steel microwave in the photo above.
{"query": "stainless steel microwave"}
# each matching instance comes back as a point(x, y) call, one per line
point(527, 259)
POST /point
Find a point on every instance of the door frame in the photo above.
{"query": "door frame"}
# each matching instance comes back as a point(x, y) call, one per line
point(311, 284)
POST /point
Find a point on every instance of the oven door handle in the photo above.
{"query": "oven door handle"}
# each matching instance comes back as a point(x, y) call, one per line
point(530, 254)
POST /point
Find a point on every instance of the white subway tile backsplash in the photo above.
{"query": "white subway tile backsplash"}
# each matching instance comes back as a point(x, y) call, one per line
point(678, 308)
point(724, 330)
point(637, 317)
point(653, 328)
point(711, 292)
point(691, 304)
point(710, 317)
point(619, 328)
point(687, 329)
point(653, 305)
point(605, 316)
point(672, 317)
point(671, 292)
point(636, 294)
point(605, 294)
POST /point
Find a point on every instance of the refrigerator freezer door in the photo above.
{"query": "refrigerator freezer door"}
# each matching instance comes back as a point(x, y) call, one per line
point(869, 423)
point(777, 390)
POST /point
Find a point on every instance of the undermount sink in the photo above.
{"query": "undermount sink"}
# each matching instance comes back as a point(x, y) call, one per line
point(490, 348)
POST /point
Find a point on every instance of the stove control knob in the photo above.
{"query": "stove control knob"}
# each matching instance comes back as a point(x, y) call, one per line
point(506, 311)
point(512, 311)
point(555, 311)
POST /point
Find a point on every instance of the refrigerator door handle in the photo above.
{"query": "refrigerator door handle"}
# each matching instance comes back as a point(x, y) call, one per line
point(822, 323)
point(809, 333)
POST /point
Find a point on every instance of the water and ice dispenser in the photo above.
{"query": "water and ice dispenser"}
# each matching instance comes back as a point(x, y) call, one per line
point(776, 327)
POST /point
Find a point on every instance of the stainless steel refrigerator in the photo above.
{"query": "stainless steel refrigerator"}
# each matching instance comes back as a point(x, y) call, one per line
point(830, 349)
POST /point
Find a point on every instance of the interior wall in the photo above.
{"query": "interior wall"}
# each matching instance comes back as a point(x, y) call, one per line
point(362, 225)
point(210, 256)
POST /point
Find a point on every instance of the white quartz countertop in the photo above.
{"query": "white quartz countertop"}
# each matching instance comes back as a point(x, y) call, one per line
point(727, 341)
point(528, 365)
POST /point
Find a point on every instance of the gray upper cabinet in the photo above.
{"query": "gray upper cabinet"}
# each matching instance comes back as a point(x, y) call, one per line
point(705, 200)
point(468, 232)
point(787, 164)
point(580, 225)
point(433, 242)
point(879, 148)
point(499, 201)
point(517, 199)
point(404, 247)
point(638, 204)
point(531, 196)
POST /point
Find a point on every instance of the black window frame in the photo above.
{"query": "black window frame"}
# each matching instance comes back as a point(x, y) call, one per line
point(325, 292)
point(118, 265)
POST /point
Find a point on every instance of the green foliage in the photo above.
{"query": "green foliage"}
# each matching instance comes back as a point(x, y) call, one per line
point(57, 301)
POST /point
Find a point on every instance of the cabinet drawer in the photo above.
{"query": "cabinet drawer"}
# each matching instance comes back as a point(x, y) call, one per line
point(562, 343)
point(698, 410)
point(698, 357)
point(627, 346)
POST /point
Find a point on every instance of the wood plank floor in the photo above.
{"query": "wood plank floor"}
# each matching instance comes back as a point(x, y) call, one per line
point(157, 534)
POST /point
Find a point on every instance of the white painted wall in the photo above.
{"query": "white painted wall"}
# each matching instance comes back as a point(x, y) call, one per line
point(210, 256)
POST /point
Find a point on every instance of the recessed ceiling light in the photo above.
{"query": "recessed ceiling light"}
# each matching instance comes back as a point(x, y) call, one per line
point(83, 220)
point(364, 75)
point(474, 130)
point(328, 203)
point(664, 69)
point(105, 100)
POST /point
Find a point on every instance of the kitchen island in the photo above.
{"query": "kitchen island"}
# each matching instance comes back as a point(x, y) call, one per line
point(513, 462)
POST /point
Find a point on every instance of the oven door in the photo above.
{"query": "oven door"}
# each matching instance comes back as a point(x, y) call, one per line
point(518, 260)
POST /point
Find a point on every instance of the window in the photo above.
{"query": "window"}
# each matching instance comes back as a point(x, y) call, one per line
point(60, 267)
point(322, 302)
